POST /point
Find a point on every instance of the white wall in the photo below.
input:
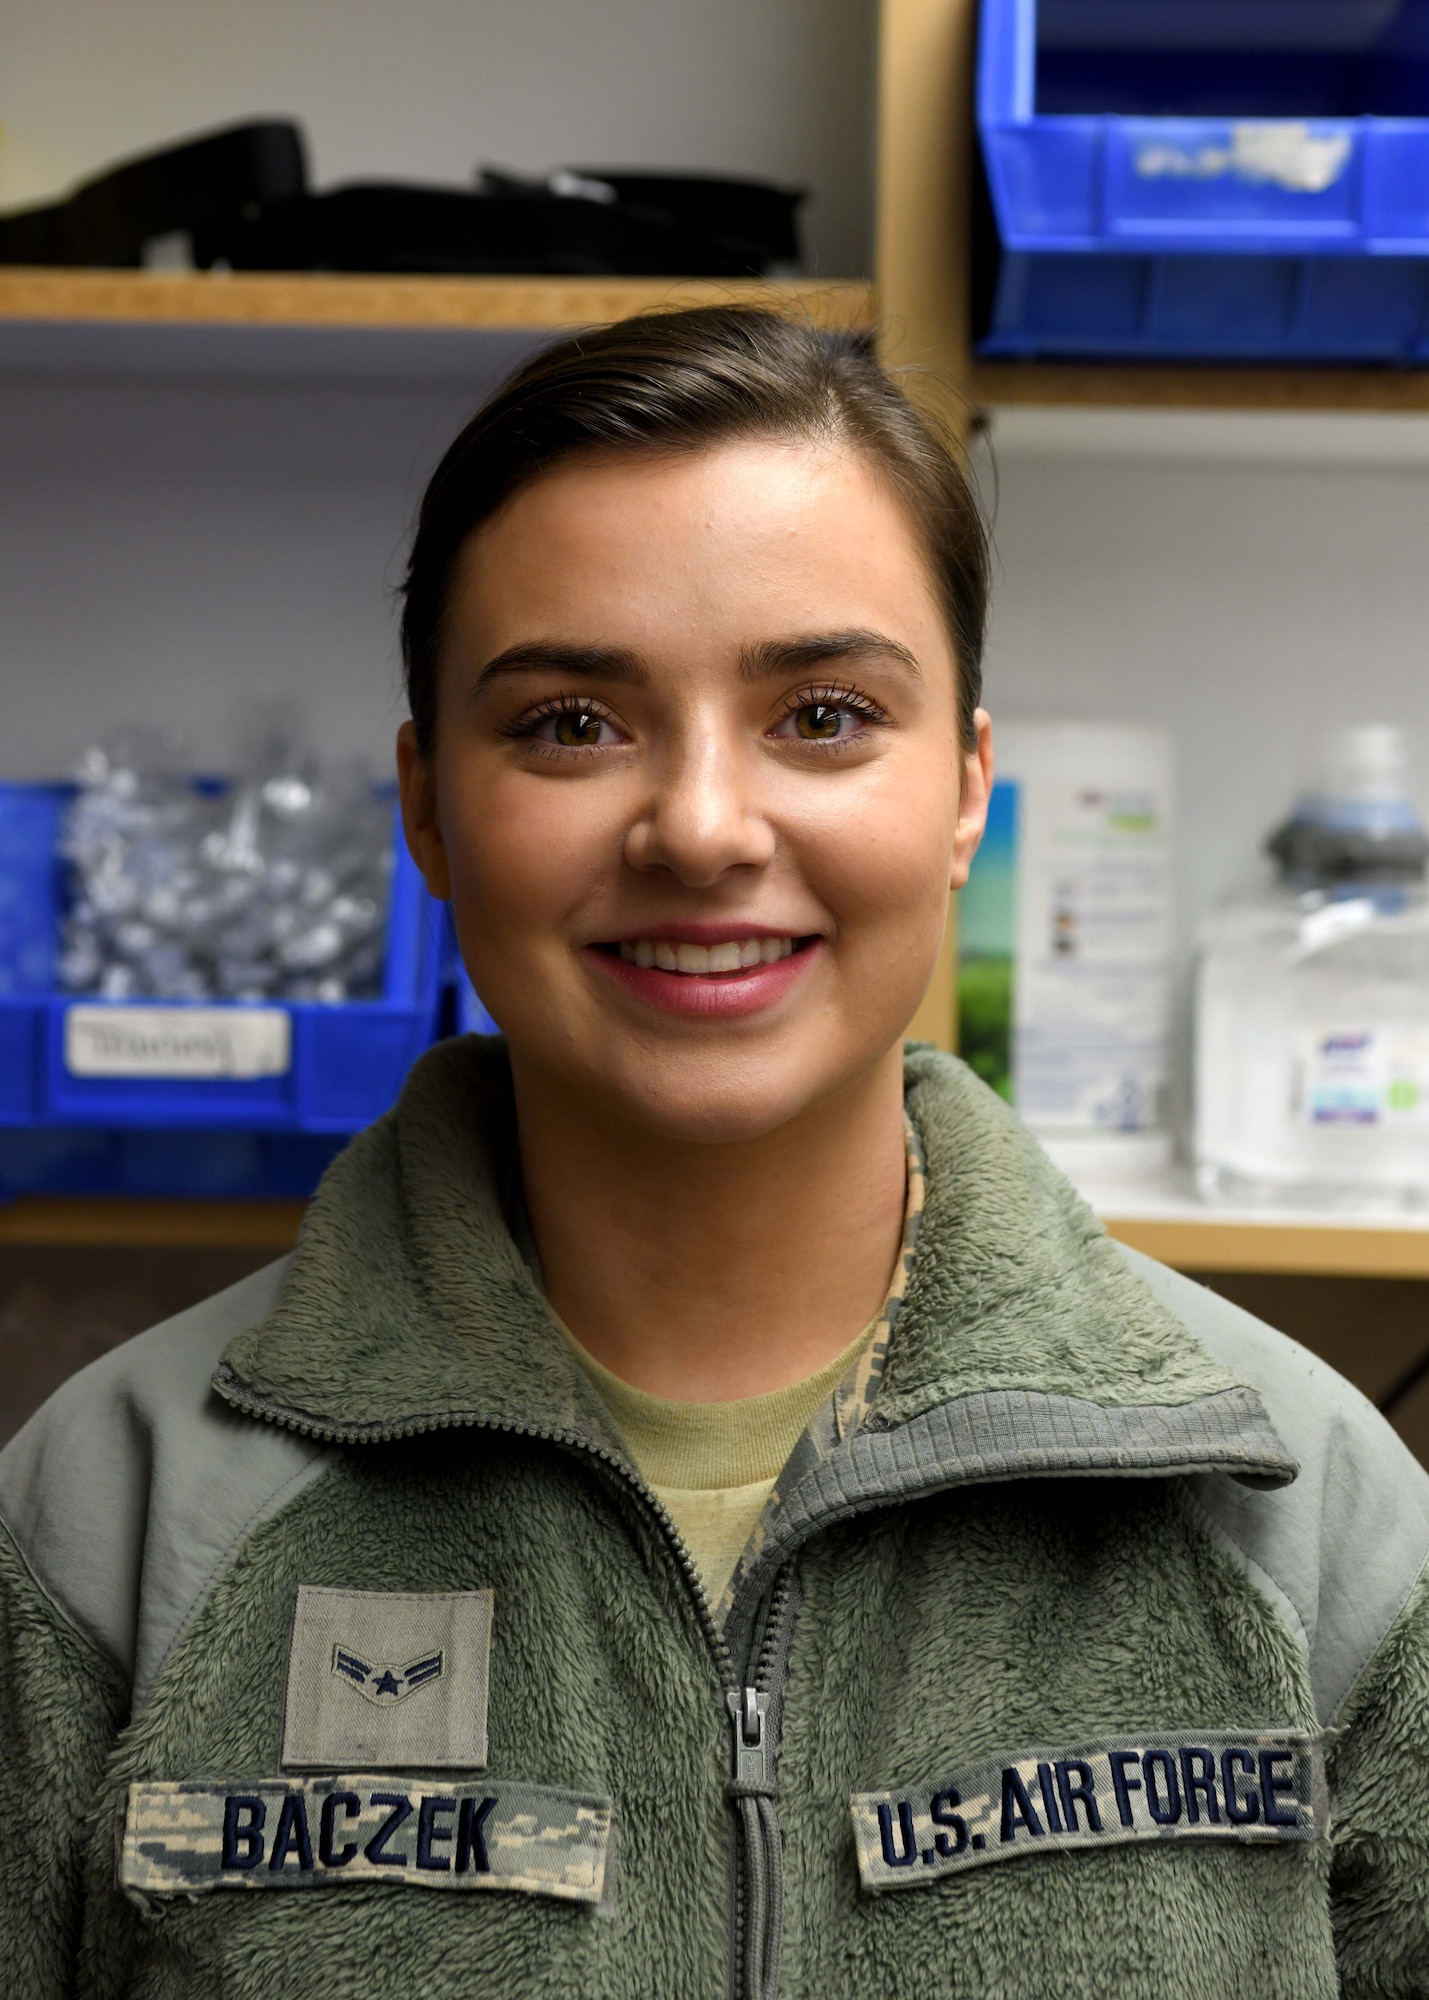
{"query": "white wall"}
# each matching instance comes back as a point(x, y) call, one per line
point(173, 549)
point(778, 88)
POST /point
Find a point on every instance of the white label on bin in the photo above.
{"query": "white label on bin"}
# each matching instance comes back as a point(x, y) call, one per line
point(178, 1042)
point(1281, 152)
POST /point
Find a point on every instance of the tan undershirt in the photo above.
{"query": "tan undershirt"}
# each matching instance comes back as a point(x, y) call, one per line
point(712, 1466)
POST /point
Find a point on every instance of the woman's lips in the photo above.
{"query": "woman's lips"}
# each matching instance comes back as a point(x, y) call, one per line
point(713, 995)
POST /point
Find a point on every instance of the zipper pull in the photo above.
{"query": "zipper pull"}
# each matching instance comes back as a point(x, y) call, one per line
point(749, 1712)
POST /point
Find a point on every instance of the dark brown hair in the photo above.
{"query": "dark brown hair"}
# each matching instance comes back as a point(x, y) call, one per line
point(679, 381)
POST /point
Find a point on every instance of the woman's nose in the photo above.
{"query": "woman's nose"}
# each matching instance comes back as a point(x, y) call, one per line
point(702, 818)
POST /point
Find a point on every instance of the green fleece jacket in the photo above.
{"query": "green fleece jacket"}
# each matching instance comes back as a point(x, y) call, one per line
point(343, 1651)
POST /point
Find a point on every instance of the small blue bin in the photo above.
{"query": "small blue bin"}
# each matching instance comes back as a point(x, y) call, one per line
point(467, 1015)
point(1205, 179)
point(301, 1077)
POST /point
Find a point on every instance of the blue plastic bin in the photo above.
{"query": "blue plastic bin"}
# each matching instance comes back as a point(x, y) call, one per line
point(466, 1014)
point(471, 1017)
point(260, 1134)
point(1205, 179)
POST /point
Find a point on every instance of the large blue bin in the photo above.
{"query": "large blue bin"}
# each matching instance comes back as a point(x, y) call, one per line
point(1205, 179)
point(306, 1075)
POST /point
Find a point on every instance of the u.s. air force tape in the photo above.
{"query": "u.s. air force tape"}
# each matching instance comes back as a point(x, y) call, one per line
point(1250, 1786)
point(311, 1833)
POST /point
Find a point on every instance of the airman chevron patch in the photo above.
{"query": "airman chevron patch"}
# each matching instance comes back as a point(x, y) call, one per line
point(384, 1680)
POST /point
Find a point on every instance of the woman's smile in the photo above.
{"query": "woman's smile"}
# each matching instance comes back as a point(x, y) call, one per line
point(739, 974)
point(735, 954)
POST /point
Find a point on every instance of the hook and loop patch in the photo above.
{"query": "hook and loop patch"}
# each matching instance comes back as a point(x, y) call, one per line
point(1252, 1786)
point(381, 1680)
point(291, 1833)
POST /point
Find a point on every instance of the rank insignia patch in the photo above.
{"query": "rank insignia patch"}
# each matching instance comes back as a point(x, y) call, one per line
point(384, 1683)
point(387, 1680)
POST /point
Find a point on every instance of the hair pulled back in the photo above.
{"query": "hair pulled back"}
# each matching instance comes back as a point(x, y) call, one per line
point(681, 381)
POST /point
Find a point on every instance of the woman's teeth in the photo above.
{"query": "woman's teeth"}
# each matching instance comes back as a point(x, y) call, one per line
point(735, 956)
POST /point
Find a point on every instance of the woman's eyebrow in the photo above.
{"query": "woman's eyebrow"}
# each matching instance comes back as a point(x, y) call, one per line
point(533, 656)
point(771, 658)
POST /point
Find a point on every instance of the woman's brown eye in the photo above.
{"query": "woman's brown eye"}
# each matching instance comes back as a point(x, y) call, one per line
point(576, 728)
point(817, 721)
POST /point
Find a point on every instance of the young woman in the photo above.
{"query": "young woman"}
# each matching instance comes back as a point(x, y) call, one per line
point(705, 1510)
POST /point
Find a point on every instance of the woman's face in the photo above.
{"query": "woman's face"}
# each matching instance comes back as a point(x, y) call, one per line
point(695, 793)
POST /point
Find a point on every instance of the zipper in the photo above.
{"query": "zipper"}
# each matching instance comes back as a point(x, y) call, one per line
point(752, 1700)
point(754, 1711)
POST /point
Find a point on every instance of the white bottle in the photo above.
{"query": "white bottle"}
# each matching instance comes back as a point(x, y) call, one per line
point(1312, 1014)
point(1089, 875)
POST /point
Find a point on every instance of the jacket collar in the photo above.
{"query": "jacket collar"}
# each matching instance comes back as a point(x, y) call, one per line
point(1025, 1345)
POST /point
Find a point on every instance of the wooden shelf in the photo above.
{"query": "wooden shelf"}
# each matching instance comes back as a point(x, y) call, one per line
point(1161, 1214)
point(301, 299)
point(1214, 1243)
point(117, 1222)
point(1196, 388)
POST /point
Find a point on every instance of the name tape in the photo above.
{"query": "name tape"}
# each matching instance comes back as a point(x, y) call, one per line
point(277, 1833)
point(1213, 1786)
point(178, 1042)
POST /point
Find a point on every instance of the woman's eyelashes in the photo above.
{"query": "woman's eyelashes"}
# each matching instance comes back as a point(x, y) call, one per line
point(566, 723)
point(831, 717)
point(828, 717)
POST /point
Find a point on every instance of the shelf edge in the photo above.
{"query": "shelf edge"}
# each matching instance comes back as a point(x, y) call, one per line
point(476, 303)
point(1207, 387)
point(1288, 1249)
point(117, 1222)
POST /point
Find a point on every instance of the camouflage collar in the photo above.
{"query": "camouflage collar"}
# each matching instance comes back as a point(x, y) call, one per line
point(1021, 1343)
point(855, 1395)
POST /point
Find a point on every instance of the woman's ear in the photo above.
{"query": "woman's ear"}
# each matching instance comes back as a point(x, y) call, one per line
point(972, 807)
point(416, 782)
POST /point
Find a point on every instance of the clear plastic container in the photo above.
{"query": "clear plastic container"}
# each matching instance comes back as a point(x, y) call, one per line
point(1312, 1032)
